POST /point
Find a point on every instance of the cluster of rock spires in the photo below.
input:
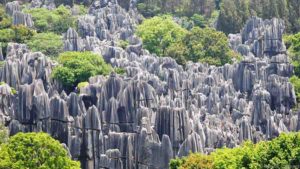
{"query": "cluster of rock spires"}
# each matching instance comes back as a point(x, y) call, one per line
point(158, 110)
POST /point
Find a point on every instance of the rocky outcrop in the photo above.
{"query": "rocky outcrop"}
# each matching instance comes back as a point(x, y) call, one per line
point(157, 110)
point(12, 7)
point(20, 18)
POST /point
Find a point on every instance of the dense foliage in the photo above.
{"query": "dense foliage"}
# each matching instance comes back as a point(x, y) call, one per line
point(164, 37)
point(281, 152)
point(3, 134)
point(207, 45)
point(34, 151)
point(293, 44)
point(234, 13)
point(76, 67)
point(50, 43)
point(159, 33)
point(57, 20)
point(150, 8)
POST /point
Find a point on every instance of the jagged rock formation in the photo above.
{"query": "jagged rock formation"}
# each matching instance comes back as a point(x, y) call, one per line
point(19, 18)
point(157, 110)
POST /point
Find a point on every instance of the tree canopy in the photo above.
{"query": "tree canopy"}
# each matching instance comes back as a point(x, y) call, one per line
point(281, 152)
point(159, 33)
point(35, 151)
point(164, 37)
point(57, 20)
point(76, 67)
point(49, 43)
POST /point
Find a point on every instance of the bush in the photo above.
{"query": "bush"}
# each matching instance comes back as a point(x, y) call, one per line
point(57, 20)
point(50, 43)
point(22, 33)
point(82, 84)
point(35, 150)
point(3, 133)
point(207, 45)
point(193, 161)
point(5, 20)
point(119, 70)
point(159, 33)
point(78, 67)
point(296, 83)
point(281, 152)
point(164, 37)
point(199, 20)
point(148, 10)
point(18, 34)
point(123, 44)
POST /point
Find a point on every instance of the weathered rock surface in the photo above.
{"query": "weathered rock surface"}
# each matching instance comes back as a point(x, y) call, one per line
point(157, 110)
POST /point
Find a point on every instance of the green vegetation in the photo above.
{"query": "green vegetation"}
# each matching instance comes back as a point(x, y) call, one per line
point(78, 67)
point(123, 44)
point(293, 44)
point(150, 8)
point(50, 43)
point(281, 152)
point(13, 90)
point(82, 84)
point(234, 13)
point(295, 80)
point(57, 20)
point(160, 33)
point(10, 33)
point(119, 70)
point(5, 20)
point(207, 45)
point(34, 151)
point(3, 134)
point(164, 37)
point(18, 34)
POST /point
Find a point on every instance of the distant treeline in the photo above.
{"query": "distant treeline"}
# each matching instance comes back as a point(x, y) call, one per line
point(232, 13)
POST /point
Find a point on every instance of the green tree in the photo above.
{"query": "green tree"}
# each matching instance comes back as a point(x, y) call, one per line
point(159, 33)
point(76, 67)
point(48, 43)
point(207, 45)
point(281, 152)
point(57, 20)
point(34, 151)
point(5, 20)
point(199, 20)
point(229, 20)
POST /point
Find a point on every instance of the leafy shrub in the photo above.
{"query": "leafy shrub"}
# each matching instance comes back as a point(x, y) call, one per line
point(207, 45)
point(82, 84)
point(78, 67)
point(123, 44)
point(119, 70)
point(159, 33)
point(199, 20)
point(22, 33)
point(3, 133)
point(5, 20)
point(162, 36)
point(57, 20)
point(18, 34)
point(35, 150)
point(48, 43)
point(193, 161)
point(281, 152)
point(148, 10)
point(296, 83)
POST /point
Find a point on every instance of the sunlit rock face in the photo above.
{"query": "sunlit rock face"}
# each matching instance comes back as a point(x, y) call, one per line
point(157, 110)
